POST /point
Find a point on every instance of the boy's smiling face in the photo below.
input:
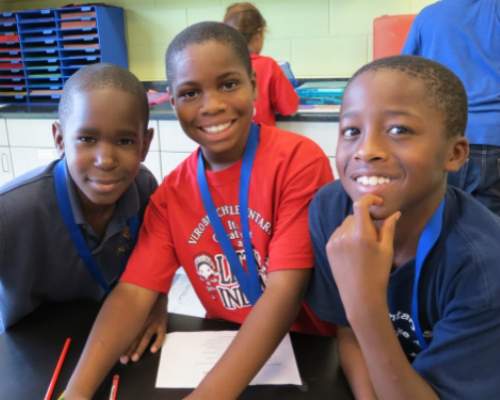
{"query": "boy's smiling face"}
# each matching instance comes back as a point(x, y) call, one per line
point(213, 97)
point(393, 143)
point(104, 141)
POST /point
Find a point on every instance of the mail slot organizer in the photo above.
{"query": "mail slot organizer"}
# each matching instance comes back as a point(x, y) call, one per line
point(41, 49)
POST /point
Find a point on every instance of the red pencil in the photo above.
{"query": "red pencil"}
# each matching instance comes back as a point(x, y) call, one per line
point(57, 370)
point(113, 394)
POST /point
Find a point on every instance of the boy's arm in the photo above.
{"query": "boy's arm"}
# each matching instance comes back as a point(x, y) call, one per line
point(353, 364)
point(360, 256)
point(258, 337)
point(119, 322)
point(391, 373)
point(155, 326)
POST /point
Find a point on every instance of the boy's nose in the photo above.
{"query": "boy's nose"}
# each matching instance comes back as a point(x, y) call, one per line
point(212, 103)
point(105, 156)
point(371, 147)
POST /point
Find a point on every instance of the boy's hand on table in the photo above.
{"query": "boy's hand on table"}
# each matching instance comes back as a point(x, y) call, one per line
point(155, 326)
point(361, 255)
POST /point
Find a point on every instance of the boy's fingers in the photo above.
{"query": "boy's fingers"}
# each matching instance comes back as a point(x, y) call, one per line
point(143, 343)
point(159, 339)
point(388, 229)
point(361, 210)
point(125, 357)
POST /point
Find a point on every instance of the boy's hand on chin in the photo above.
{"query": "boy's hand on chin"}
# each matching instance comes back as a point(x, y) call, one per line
point(155, 326)
point(360, 256)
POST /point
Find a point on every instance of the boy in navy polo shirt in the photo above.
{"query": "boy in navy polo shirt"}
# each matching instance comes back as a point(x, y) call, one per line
point(67, 229)
point(407, 266)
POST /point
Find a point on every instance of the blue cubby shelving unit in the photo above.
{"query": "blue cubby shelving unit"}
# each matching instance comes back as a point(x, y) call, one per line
point(41, 49)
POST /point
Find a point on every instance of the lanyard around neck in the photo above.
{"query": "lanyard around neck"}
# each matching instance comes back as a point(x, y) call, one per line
point(248, 280)
point(61, 186)
point(427, 240)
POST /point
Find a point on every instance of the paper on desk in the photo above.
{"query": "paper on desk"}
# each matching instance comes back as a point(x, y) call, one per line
point(186, 358)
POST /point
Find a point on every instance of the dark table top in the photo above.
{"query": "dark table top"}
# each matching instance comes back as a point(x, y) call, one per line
point(29, 352)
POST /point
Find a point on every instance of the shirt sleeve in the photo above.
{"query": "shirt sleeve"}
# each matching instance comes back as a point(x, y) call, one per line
point(322, 294)
point(290, 246)
point(153, 261)
point(284, 99)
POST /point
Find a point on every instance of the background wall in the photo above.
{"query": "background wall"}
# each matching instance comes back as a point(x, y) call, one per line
point(320, 38)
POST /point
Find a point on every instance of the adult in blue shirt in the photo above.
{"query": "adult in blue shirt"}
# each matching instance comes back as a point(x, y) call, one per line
point(464, 35)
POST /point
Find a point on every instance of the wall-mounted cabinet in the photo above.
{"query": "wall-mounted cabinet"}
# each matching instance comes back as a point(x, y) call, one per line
point(27, 143)
point(41, 49)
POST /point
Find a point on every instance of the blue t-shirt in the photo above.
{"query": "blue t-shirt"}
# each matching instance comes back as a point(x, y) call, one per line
point(458, 296)
point(464, 35)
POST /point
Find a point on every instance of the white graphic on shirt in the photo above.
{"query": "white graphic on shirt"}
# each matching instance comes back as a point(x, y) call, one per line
point(220, 280)
point(215, 271)
point(405, 331)
point(225, 211)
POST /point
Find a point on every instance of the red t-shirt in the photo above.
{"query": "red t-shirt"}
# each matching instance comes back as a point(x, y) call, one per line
point(275, 93)
point(287, 171)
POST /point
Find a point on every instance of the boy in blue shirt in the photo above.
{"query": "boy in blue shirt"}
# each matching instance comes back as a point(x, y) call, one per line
point(407, 266)
point(464, 35)
point(67, 229)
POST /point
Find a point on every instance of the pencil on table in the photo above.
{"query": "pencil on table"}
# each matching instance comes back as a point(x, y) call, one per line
point(57, 370)
point(113, 394)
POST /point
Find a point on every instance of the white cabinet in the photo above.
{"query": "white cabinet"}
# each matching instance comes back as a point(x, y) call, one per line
point(153, 163)
point(25, 159)
point(170, 160)
point(30, 133)
point(28, 143)
point(174, 144)
point(4, 141)
point(6, 171)
point(323, 133)
point(173, 138)
point(31, 143)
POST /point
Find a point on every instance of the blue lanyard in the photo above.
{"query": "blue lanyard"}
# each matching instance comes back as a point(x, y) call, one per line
point(84, 252)
point(249, 280)
point(427, 240)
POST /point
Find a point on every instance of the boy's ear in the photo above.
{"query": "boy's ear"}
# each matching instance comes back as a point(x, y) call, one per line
point(58, 136)
point(171, 97)
point(457, 154)
point(253, 80)
point(148, 136)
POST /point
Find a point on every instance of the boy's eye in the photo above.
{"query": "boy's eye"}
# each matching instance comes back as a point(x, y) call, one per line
point(188, 94)
point(350, 132)
point(86, 139)
point(398, 130)
point(230, 85)
point(126, 141)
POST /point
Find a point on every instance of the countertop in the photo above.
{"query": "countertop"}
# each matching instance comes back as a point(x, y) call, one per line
point(165, 112)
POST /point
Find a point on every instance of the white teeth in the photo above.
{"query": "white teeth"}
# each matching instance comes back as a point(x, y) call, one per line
point(372, 180)
point(216, 128)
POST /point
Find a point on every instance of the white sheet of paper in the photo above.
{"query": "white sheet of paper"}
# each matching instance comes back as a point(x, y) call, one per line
point(186, 357)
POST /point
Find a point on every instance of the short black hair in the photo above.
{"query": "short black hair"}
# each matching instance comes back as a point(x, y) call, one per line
point(444, 88)
point(100, 76)
point(201, 33)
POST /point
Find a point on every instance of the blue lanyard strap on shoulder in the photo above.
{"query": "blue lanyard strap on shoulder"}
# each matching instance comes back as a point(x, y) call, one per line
point(427, 240)
point(248, 280)
point(60, 182)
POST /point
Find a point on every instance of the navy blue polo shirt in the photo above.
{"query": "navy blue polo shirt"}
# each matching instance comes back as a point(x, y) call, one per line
point(38, 260)
point(458, 294)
